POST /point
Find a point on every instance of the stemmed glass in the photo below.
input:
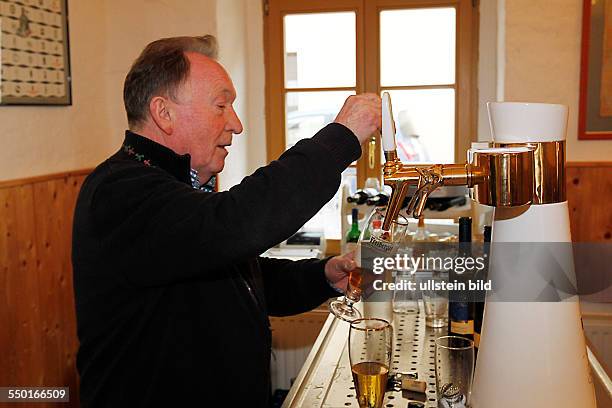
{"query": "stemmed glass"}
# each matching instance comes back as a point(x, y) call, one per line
point(344, 309)
point(370, 346)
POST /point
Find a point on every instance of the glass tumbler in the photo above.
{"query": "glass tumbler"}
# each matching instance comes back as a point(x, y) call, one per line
point(370, 347)
point(454, 371)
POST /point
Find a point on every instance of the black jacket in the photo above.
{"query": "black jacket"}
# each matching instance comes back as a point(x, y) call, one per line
point(172, 298)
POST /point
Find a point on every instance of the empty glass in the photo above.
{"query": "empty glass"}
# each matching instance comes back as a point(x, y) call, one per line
point(435, 303)
point(405, 299)
point(370, 346)
point(454, 371)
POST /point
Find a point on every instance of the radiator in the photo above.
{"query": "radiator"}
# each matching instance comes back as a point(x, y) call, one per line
point(597, 324)
point(599, 333)
point(292, 339)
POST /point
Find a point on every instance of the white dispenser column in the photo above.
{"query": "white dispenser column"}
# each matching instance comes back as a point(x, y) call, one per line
point(532, 354)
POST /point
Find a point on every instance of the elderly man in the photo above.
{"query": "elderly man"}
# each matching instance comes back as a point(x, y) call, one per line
point(172, 298)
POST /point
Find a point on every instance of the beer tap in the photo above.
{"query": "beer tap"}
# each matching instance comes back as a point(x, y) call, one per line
point(499, 176)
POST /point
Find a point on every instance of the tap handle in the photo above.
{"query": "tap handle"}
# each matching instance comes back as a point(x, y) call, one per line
point(388, 125)
point(429, 180)
point(419, 200)
point(414, 200)
point(423, 196)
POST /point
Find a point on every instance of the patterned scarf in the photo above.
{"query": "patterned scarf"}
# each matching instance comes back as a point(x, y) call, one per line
point(208, 187)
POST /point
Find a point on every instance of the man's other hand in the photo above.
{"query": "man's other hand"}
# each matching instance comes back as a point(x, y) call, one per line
point(337, 270)
point(362, 115)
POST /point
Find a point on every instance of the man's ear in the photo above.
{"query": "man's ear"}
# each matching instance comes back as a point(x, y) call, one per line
point(162, 114)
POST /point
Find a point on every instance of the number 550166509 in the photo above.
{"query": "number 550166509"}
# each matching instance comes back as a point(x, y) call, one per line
point(33, 394)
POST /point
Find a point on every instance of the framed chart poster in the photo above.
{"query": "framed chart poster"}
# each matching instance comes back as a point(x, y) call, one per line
point(595, 110)
point(34, 53)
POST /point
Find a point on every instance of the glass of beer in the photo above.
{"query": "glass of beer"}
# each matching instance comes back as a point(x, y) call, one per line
point(372, 231)
point(344, 309)
point(370, 347)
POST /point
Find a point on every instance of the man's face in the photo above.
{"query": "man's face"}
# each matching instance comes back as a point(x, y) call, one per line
point(205, 119)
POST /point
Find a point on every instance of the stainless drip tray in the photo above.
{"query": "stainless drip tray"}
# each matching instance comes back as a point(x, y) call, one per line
point(326, 380)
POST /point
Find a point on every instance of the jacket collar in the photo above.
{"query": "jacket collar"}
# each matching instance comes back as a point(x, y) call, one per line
point(153, 154)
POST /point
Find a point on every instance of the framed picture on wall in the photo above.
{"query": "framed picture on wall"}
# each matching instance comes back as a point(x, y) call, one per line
point(34, 54)
point(595, 111)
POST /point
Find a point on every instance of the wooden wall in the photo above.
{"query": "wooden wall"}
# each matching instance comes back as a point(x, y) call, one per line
point(37, 320)
point(589, 193)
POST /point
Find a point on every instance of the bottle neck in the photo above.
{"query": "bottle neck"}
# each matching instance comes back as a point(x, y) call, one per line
point(465, 229)
point(355, 220)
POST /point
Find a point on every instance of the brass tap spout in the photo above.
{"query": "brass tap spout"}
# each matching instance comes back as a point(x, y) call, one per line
point(499, 176)
point(426, 178)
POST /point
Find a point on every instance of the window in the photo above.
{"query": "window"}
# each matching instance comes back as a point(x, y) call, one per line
point(423, 52)
point(420, 76)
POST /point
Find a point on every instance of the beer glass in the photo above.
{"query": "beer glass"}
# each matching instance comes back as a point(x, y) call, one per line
point(454, 371)
point(435, 303)
point(372, 231)
point(370, 346)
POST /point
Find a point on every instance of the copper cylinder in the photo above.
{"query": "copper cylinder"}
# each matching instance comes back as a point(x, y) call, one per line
point(505, 176)
point(549, 170)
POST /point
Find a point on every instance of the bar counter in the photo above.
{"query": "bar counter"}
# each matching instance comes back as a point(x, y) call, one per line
point(326, 380)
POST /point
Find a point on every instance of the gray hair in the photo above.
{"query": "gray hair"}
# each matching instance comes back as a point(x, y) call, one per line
point(159, 70)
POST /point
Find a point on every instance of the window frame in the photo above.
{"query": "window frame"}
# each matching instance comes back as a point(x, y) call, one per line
point(367, 20)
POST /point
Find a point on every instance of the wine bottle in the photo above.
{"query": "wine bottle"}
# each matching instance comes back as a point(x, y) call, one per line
point(352, 237)
point(480, 305)
point(461, 310)
point(379, 200)
point(361, 196)
point(444, 203)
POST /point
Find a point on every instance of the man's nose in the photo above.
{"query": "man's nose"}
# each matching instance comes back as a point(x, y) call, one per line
point(234, 125)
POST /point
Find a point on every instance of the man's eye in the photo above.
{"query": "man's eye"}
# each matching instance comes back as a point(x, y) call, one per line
point(221, 106)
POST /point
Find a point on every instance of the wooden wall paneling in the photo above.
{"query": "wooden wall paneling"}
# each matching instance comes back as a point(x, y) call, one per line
point(55, 207)
point(589, 193)
point(22, 288)
point(7, 325)
point(51, 252)
point(47, 291)
point(37, 315)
